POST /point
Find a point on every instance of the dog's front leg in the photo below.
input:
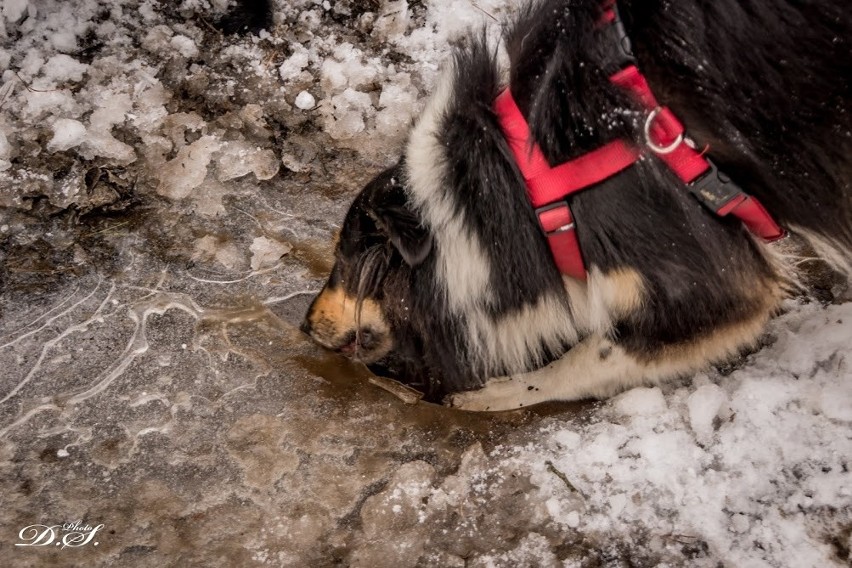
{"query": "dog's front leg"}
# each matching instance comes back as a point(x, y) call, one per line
point(594, 368)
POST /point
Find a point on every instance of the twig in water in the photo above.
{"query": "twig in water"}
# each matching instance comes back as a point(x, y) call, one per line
point(552, 469)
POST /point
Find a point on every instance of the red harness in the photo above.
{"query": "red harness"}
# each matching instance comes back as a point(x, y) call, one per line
point(548, 187)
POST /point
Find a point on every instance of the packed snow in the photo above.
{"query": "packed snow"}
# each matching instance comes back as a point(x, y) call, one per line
point(747, 467)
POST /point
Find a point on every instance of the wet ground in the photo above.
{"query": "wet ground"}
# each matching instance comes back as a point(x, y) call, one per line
point(156, 384)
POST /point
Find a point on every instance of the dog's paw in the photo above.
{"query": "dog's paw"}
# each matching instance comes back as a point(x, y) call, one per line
point(468, 400)
point(497, 394)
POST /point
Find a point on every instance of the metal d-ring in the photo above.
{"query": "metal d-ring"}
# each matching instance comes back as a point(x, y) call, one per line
point(648, 142)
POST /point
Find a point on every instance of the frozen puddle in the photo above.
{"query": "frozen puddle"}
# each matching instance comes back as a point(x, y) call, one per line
point(218, 434)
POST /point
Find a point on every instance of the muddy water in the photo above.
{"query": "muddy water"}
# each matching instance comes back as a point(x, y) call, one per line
point(155, 383)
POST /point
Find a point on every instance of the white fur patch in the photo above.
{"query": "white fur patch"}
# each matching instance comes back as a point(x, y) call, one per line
point(515, 341)
point(462, 264)
point(837, 256)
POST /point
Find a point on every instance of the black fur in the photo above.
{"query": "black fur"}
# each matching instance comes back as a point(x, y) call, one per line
point(765, 83)
point(717, 64)
point(247, 16)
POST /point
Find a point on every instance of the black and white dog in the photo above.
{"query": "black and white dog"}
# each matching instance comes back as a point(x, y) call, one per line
point(445, 277)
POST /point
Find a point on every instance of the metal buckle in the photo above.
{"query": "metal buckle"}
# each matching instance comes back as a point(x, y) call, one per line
point(668, 149)
point(714, 189)
point(549, 207)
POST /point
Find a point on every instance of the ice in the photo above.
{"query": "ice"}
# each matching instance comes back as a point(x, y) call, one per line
point(67, 133)
point(112, 109)
point(393, 20)
point(349, 67)
point(238, 158)
point(398, 105)
point(40, 104)
point(5, 147)
point(346, 113)
point(208, 200)
point(225, 253)
point(158, 39)
point(293, 65)
point(179, 176)
point(533, 550)
point(265, 252)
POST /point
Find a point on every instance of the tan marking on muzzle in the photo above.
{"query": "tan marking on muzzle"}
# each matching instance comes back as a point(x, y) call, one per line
point(334, 315)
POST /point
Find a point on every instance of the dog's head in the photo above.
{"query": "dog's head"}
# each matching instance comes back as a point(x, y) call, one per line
point(362, 310)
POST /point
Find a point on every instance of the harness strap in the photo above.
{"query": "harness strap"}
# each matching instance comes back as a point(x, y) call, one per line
point(549, 187)
point(666, 137)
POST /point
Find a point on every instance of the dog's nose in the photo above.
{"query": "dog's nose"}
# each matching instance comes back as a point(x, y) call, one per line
point(306, 327)
point(366, 339)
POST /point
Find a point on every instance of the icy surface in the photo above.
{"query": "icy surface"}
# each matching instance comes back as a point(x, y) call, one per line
point(168, 199)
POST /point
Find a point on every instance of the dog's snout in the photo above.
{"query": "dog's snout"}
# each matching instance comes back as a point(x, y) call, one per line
point(340, 322)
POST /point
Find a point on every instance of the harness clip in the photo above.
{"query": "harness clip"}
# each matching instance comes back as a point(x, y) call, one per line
point(617, 51)
point(716, 190)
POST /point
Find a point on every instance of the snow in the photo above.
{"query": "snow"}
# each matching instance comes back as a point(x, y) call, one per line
point(732, 483)
point(294, 64)
point(745, 469)
point(13, 10)
point(63, 67)
point(5, 148)
point(641, 402)
point(67, 133)
point(705, 406)
point(184, 45)
point(305, 100)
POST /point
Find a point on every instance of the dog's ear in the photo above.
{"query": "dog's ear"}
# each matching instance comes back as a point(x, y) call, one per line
point(387, 203)
point(404, 231)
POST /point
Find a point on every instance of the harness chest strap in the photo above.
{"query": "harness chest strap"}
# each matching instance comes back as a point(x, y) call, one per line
point(548, 187)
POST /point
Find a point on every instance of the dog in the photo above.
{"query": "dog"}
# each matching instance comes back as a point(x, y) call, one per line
point(447, 277)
